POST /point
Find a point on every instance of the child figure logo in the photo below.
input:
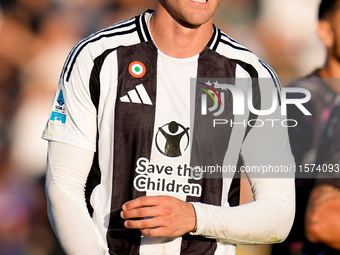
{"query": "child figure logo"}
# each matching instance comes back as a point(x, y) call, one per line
point(172, 139)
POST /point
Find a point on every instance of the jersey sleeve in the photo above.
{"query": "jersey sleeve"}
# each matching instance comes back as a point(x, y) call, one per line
point(66, 175)
point(73, 116)
point(266, 147)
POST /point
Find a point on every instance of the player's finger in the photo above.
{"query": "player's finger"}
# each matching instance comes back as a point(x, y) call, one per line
point(143, 223)
point(160, 231)
point(140, 213)
point(141, 202)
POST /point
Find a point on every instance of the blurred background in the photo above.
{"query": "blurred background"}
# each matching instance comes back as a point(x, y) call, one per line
point(35, 39)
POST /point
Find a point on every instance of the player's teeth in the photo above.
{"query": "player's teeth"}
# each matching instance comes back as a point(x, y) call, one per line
point(200, 1)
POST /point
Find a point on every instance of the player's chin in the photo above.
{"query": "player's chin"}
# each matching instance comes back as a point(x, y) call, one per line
point(197, 21)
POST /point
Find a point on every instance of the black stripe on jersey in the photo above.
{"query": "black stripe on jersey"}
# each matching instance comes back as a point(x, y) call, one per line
point(94, 78)
point(209, 145)
point(94, 176)
point(139, 30)
point(133, 137)
point(218, 39)
point(142, 26)
point(93, 180)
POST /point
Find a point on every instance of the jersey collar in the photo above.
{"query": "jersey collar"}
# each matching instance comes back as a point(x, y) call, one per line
point(145, 36)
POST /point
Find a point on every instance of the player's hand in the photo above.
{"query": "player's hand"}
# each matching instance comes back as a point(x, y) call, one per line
point(159, 216)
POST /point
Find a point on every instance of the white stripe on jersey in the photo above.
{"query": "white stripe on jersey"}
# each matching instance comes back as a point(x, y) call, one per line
point(174, 106)
point(232, 42)
point(101, 195)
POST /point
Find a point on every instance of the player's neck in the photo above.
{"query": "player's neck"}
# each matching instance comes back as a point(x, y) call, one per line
point(176, 40)
point(331, 70)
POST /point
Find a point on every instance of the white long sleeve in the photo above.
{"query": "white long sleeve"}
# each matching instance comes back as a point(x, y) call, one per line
point(267, 220)
point(67, 171)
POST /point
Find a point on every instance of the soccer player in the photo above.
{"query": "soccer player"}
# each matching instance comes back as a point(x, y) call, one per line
point(121, 140)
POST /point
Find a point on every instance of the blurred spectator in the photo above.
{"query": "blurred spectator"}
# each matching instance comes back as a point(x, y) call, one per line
point(15, 27)
point(24, 227)
point(39, 78)
point(323, 211)
point(287, 31)
point(25, 34)
point(14, 212)
point(304, 137)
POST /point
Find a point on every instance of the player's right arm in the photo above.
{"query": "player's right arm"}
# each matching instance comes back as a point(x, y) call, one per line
point(72, 134)
point(67, 170)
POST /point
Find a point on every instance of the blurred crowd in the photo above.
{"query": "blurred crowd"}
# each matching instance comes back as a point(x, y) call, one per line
point(35, 38)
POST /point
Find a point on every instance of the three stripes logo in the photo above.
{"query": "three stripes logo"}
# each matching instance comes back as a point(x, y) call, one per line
point(139, 95)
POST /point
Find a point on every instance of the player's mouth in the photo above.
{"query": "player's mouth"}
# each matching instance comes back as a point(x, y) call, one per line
point(200, 1)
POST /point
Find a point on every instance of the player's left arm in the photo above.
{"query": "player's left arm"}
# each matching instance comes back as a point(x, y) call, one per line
point(269, 218)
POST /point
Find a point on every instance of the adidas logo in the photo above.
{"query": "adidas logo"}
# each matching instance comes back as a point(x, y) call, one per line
point(137, 96)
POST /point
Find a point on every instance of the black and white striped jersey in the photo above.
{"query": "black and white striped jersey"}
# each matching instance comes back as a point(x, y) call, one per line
point(130, 103)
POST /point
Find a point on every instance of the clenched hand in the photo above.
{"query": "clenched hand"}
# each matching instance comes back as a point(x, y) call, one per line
point(159, 216)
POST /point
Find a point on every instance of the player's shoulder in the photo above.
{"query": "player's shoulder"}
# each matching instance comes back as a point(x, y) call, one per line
point(241, 55)
point(227, 42)
point(108, 37)
point(127, 32)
